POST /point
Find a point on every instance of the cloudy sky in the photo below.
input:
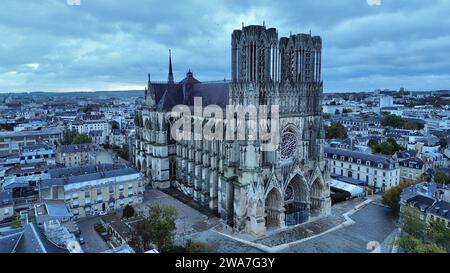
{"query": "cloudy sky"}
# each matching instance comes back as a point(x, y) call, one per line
point(48, 45)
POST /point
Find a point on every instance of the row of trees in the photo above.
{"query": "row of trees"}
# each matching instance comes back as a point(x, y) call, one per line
point(73, 137)
point(441, 178)
point(398, 122)
point(344, 111)
point(336, 131)
point(423, 237)
point(389, 147)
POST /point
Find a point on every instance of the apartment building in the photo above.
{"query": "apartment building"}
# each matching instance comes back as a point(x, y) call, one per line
point(412, 169)
point(94, 189)
point(89, 125)
point(13, 142)
point(376, 171)
point(74, 155)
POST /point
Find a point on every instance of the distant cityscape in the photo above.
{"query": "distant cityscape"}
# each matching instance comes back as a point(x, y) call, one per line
point(263, 161)
point(44, 174)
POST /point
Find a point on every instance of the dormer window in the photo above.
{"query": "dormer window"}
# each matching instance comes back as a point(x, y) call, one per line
point(367, 163)
point(350, 159)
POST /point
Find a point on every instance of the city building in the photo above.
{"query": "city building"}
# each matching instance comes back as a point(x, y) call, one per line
point(251, 189)
point(386, 101)
point(430, 199)
point(92, 189)
point(376, 171)
point(6, 205)
point(89, 124)
point(412, 170)
point(74, 155)
point(98, 137)
point(31, 239)
point(12, 142)
point(440, 211)
point(117, 138)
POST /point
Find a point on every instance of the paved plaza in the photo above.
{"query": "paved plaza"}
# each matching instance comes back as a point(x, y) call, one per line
point(346, 230)
point(332, 234)
point(189, 220)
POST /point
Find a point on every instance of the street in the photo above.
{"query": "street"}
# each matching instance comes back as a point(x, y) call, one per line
point(94, 243)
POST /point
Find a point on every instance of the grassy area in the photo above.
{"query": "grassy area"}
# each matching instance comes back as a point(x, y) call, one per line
point(100, 229)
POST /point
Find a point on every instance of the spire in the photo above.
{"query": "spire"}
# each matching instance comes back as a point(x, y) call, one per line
point(170, 67)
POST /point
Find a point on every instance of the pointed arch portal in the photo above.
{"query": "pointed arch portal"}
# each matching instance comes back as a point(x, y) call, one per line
point(296, 201)
point(274, 209)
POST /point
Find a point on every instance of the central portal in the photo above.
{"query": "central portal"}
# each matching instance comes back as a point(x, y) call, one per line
point(296, 202)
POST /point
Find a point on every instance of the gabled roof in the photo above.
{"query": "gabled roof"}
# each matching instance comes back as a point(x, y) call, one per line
point(9, 243)
point(374, 159)
point(168, 95)
point(33, 240)
point(441, 209)
point(421, 202)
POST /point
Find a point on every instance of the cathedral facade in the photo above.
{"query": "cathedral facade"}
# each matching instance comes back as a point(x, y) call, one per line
point(251, 188)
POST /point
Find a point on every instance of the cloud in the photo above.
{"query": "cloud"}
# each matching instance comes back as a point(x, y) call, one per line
point(374, 2)
point(103, 45)
point(32, 66)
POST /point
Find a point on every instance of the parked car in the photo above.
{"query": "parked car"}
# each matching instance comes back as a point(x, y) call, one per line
point(81, 240)
point(102, 213)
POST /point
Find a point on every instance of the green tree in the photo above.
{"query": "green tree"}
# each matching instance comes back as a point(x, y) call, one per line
point(157, 229)
point(391, 197)
point(392, 120)
point(441, 178)
point(73, 137)
point(16, 223)
point(385, 148)
point(439, 233)
point(389, 147)
point(412, 224)
point(162, 225)
point(124, 152)
point(336, 130)
point(408, 244)
point(326, 116)
point(195, 247)
point(429, 248)
point(337, 112)
point(128, 211)
point(398, 122)
point(346, 111)
point(372, 144)
point(443, 143)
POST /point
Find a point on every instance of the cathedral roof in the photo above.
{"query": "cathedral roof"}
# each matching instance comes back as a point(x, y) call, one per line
point(212, 93)
point(168, 95)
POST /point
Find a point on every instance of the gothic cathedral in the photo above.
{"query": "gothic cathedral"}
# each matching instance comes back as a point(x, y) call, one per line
point(251, 189)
